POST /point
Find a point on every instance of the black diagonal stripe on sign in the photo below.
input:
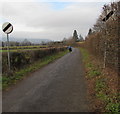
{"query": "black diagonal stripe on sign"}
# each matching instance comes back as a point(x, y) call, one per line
point(108, 16)
point(6, 27)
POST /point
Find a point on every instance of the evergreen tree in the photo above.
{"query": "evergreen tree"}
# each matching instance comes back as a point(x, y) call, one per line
point(75, 36)
point(90, 31)
point(81, 38)
point(3, 44)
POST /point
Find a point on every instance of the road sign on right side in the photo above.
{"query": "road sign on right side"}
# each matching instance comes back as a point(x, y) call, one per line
point(108, 16)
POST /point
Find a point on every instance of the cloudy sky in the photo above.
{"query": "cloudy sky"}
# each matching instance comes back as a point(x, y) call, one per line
point(50, 19)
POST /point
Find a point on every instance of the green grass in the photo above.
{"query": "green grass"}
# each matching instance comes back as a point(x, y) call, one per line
point(111, 101)
point(9, 80)
point(100, 88)
point(93, 71)
point(89, 65)
point(85, 54)
point(113, 107)
point(100, 85)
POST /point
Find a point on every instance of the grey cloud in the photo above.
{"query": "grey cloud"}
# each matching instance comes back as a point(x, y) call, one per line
point(56, 24)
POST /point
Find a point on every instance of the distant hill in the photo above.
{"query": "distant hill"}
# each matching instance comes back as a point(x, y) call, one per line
point(35, 41)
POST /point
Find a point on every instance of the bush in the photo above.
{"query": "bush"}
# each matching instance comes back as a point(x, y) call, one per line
point(22, 58)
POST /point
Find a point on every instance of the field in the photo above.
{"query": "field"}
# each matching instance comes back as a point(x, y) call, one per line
point(21, 48)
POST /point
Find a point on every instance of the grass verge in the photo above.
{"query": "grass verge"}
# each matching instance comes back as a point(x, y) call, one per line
point(7, 81)
point(102, 91)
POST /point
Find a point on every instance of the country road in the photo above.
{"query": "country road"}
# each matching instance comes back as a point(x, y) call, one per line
point(58, 87)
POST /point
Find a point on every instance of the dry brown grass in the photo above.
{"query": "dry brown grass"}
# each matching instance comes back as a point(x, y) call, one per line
point(111, 77)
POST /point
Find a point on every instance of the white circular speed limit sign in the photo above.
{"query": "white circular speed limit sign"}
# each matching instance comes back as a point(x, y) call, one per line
point(7, 27)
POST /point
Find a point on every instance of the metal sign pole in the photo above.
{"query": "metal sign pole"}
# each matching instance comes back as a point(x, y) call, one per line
point(8, 52)
point(7, 28)
point(105, 51)
point(107, 16)
point(118, 26)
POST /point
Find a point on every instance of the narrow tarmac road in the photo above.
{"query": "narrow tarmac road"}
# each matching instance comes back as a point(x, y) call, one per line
point(57, 87)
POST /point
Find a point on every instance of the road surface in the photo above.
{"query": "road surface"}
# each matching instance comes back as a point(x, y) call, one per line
point(57, 87)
